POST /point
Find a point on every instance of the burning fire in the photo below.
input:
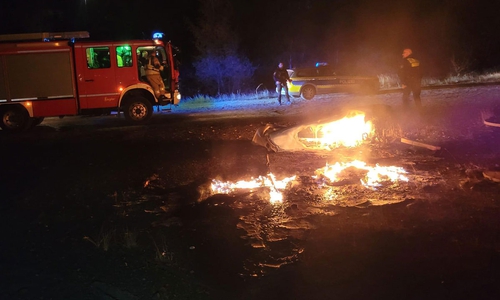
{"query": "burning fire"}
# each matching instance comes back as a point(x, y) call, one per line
point(275, 186)
point(349, 131)
point(373, 178)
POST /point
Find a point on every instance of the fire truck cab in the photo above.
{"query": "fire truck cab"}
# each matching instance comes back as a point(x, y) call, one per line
point(60, 74)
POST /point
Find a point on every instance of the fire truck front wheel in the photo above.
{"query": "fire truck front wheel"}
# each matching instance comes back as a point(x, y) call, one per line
point(14, 118)
point(138, 109)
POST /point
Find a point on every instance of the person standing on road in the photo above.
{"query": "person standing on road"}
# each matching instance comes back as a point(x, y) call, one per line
point(410, 76)
point(281, 78)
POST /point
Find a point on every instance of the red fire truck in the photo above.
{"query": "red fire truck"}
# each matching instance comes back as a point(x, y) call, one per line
point(63, 74)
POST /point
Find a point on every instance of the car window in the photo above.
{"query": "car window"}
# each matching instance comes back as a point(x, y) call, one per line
point(98, 57)
point(326, 72)
point(307, 73)
point(314, 72)
point(124, 56)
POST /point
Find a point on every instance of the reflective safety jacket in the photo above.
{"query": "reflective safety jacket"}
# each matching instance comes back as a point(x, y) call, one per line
point(410, 70)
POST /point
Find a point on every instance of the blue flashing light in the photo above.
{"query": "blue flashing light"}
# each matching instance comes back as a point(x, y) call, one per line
point(321, 64)
point(158, 35)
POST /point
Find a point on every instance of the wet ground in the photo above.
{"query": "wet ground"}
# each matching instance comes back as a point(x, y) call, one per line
point(93, 208)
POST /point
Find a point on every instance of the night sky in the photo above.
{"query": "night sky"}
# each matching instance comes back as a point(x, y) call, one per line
point(360, 35)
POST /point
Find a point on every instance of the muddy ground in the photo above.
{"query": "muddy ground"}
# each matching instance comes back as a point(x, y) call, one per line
point(93, 208)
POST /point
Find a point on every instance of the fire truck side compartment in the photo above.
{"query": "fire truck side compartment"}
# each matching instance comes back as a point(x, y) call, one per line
point(43, 77)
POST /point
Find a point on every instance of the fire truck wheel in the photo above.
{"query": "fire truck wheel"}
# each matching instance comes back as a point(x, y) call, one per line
point(14, 118)
point(138, 109)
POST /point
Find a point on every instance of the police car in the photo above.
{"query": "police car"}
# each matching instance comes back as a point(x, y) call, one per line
point(322, 79)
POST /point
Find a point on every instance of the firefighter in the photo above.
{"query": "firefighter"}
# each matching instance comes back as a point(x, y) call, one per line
point(153, 69)
point(281, 78)
point(410, 76)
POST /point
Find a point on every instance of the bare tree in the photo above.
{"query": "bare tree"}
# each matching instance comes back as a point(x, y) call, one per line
point(219, 66)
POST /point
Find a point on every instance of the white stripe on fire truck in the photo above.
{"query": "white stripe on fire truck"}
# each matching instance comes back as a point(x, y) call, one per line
point(23, 99)
point(44, 98)
point(98, 95)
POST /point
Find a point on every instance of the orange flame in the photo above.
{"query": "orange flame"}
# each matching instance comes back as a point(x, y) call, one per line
point(275, 186)
point(349, 131)
point(373, 178)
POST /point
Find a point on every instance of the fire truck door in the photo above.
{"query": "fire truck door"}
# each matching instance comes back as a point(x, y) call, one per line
point(96, 79)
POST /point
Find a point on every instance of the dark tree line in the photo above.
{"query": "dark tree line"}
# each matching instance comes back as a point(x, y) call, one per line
point(220, 67)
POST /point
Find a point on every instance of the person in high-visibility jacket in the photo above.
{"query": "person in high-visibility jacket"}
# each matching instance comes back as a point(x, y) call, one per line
point(153, 69)
point(410, 75)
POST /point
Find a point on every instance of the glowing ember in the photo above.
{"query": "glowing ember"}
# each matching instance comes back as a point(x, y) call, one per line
point(275, 186)
point(349, 131)
point(373, 178)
